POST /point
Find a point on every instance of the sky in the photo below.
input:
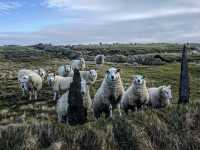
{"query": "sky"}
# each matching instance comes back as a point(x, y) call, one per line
point(25, 22)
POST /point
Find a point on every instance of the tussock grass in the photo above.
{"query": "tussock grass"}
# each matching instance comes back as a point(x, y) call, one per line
point(175, 127)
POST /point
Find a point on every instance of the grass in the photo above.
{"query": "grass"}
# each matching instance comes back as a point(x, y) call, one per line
point(175, 127)
point(155, 75)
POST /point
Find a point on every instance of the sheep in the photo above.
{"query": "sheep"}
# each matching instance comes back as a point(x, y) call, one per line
point(160, 96)
point(42, 73)
point(109, 94)
point(63, 103)
point(90, 76)
point(30, 81)
point(23, 80)
point(65, 70)
point(78, 64)
point(136, 95)
point(99, 60)
point(59, 84)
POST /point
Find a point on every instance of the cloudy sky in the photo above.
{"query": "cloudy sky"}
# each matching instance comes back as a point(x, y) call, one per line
point(92, 21)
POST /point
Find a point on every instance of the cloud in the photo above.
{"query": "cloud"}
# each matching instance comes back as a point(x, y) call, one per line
point(93, 21)
point(161, 13)
point(6, 7)
point(75, 4)
point(172, 29)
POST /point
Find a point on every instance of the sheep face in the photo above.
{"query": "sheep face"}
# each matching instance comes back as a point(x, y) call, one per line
point(166, 92)
point(113, 74)
point(138, 80)
point(82, 63)
point(93, 74)
point(84, 87)
point(42, 73)
point(23, 81)
point(68, 68)
point(50, 78)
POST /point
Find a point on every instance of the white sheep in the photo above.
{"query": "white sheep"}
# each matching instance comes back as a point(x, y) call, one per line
point(65, 70)
point(30, 81)
point(42, 73)
point(58, 84)
point(109, 94)
point(63, 103)
point(99, 60)
point(78, 64)
point(160, 96)
point(136, 95)
point(90, 76)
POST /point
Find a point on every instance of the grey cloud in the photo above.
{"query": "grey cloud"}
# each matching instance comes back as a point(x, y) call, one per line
point(7, 6)
point(117, 21)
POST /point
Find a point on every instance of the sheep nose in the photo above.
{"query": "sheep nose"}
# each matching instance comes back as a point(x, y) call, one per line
point(82, 93)
point(112, 77)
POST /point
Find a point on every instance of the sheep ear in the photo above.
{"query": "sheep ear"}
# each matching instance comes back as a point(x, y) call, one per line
point(143, 77)
point(118, 70)
point(107, 71)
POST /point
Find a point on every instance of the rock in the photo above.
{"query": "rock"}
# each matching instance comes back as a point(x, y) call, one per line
point(184, 89)
point(71, 54)
point(55, 146)
point(116, 58)
point(145, 60)
point(77, 113)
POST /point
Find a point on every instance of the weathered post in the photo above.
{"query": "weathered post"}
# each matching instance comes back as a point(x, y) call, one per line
point(184, 89)
point(77, 113)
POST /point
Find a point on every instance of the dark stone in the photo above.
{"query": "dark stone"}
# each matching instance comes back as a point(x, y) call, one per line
point(103, 109)
point(77, 113)
point(184, 89)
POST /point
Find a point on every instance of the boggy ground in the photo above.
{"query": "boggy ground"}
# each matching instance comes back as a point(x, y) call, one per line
point(34, 122)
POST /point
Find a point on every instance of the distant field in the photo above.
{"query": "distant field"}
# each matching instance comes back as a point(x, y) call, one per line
point(175, 127)
point(10, 94)
point(28, 124)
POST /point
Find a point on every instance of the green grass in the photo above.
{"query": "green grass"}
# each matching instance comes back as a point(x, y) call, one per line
point(175, 127)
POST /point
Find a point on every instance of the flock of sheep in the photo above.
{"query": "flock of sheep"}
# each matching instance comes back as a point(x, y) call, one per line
point(110, 95)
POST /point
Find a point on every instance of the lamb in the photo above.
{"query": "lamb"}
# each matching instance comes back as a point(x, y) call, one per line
point(65, 70)
point(90, 76)
point(63, 104)
point(109, 94)
point(78, 64)
point(30, 82)
point(160, 96)
point(59, 84)
point(136, 95)
point(99, 59)
point(42, 73)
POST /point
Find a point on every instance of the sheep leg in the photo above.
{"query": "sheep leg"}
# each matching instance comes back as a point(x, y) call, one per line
point(55, 95)
point(119, 109)
point(36, 95)
point(110, 109)
point(59, 118)
point(30, 95)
